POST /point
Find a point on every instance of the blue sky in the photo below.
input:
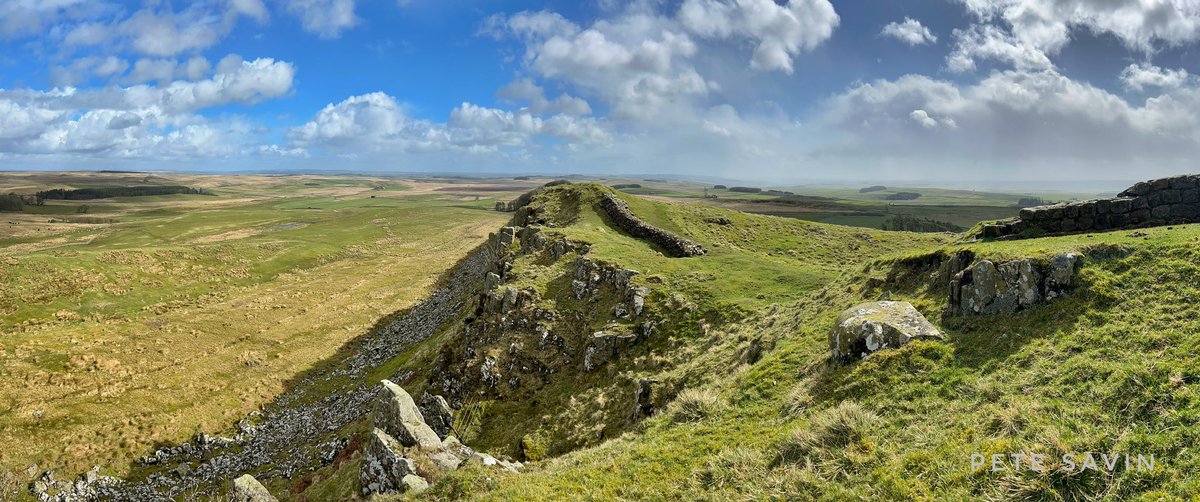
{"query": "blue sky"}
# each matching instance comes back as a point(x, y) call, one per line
point(952, 90)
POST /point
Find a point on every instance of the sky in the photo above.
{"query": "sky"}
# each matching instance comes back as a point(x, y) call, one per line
point(799, 90)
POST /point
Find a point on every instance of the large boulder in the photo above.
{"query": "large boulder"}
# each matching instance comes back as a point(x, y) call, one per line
point(248, 489)
point(398, 415)
point(437, 414)
point(383, 465)
point(868, 327)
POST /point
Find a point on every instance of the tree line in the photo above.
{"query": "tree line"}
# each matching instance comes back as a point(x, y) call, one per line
point(107, 192)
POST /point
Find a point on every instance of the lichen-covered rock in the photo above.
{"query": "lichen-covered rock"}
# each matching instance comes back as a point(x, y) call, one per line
point(247, 489)
point(383, 466)
point(398, 415)
point(985, 288)
point(437, 414)
point(1062, 274)
point(869, 327)
point(414, 484)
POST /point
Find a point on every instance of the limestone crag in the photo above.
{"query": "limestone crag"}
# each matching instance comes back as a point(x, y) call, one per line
point(618, 211)
point(517, 340)
point(869, 327)
point(1164, 201)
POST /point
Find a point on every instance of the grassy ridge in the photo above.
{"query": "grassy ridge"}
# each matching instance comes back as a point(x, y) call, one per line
point(1109, 368)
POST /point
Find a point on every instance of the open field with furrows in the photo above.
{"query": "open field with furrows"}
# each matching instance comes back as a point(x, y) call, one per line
point(172, 315)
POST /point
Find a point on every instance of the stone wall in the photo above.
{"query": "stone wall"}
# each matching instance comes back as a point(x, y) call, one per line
point(1165, 201)
point(618, 211)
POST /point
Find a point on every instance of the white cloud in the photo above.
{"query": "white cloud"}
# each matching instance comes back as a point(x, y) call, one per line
point(990, 42)
point(31, 17)
point(1139, 24)
point(526, 91)
point(1013, 123)
point(142, 121)
point(325, 18)
point(910, 31)
point(236, 81)
point(162, 31)
point(636, 63)
point(922, 117)
point(82, 69)
point(1139, 76)
point(781, 31)
point(377, 122)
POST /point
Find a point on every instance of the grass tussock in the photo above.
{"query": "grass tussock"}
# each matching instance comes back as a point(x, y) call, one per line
point(694, 406)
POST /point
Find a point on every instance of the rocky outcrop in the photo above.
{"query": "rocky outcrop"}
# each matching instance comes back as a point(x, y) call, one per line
point(391, 465)
point(618, 211)
point(987, 288)
point(88, 486)
point(247, 489)
point(383, 465)
point(1163, 201)
point(869, 327)
point(438, 414)
point(397, 415)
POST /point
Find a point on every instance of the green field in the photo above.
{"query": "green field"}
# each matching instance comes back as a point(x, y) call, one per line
point(188, 311)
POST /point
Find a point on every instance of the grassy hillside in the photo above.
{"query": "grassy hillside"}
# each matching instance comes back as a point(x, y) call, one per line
point(1109, 368)
point(185, 312)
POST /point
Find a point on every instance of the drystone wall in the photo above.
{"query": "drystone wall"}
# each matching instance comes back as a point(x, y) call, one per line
point(618, 211)
point(1164, 201)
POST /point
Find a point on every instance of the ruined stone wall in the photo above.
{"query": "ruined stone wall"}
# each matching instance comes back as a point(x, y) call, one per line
point(618, 211)
point(1165, 201)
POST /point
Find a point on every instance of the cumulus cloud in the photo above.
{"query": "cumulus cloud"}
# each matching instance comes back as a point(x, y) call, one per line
point(1015, 120)
point(142, 121)
point(31, 17)
point(1139, 24)
point(637, 63)
point(1137, 77)
point(980, 42)
point(377, 122)
point(910, 31)
point(82, 69)
point(325, 18)
point(526, 91)
point(161, 31)
point(780, 31)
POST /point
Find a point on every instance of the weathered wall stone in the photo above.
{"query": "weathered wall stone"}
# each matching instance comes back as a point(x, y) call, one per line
point(1163, 201)
point(618, 211)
